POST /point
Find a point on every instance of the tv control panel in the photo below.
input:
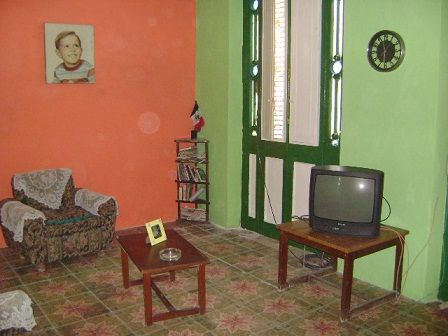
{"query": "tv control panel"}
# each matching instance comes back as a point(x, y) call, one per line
point(348, 229)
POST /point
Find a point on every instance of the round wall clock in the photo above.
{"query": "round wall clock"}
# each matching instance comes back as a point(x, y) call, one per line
point(385, 51)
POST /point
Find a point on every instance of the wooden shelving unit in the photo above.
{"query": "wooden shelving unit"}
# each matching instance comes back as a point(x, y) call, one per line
point(193, 185)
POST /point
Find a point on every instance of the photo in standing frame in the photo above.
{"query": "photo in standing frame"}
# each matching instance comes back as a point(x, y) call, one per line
point(156, 231)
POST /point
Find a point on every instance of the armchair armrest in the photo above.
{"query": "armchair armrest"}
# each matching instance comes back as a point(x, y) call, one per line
point(13, 215)
point(96, 203)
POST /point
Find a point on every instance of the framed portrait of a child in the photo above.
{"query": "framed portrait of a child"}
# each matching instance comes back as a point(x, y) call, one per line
point(69, 54)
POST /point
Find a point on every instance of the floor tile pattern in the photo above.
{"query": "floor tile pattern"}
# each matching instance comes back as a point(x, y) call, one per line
point(84, 296)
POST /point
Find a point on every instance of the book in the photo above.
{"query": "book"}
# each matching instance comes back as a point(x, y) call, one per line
point(185, 176)
point(197, 177)
point(187, 149)
point(191, 175)
point(196, 195)
point(187, 153)
point(201, 173)
point(193, 214)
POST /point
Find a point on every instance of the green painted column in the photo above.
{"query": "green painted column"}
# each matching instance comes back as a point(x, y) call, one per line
point(219, 94)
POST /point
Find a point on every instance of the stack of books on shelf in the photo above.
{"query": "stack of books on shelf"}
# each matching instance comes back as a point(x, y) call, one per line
point(193, 214)
point(191, 154)
point(188, 172)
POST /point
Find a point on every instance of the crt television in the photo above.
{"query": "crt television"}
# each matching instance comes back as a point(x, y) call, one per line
point(346, 200)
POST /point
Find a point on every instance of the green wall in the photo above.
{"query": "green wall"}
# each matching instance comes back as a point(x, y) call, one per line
point(219, 93)
point(394, 122)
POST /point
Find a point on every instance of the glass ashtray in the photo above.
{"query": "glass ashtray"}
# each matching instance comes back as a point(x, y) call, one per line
point(170, 254)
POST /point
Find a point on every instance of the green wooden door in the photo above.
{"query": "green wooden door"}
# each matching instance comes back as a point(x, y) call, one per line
point(257, 194)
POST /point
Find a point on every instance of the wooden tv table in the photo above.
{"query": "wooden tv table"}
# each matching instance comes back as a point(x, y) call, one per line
point(347, 248)
point(146, 259)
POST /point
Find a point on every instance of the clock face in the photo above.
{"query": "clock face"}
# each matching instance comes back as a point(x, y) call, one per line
point(385, 51)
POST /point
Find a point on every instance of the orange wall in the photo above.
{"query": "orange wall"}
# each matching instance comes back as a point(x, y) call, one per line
point(117, 134)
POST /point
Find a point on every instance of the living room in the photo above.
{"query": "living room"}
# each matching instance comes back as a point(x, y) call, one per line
point(153, 59)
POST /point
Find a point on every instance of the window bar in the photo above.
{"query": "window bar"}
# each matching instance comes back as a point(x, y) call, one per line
point(255, 67)
point(336, 114)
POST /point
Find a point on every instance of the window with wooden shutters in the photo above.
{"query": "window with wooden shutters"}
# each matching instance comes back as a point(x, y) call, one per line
point(274, 69)
point(300, 39)
point(292, 104)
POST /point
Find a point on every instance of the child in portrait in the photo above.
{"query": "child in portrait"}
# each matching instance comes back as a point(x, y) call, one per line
point(73, 68)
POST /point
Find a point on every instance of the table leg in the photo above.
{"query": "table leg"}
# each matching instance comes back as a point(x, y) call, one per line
point(282, 260)
point(125, 268)
point(201, 289)
point(147, 296)
point(398, 266)
point(347, 281)
point(172, 275)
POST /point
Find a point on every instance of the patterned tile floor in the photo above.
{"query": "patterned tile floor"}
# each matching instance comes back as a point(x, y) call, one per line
point(85, 296)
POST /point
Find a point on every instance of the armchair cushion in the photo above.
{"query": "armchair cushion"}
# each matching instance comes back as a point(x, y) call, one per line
point(66, 216)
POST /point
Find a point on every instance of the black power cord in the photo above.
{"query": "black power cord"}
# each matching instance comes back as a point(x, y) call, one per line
point(314, 261)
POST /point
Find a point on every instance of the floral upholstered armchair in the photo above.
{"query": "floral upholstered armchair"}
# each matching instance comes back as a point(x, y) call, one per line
point(49, 219)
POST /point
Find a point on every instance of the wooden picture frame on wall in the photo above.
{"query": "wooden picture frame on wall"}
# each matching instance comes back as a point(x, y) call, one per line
point(69, 54)
point(156, 232)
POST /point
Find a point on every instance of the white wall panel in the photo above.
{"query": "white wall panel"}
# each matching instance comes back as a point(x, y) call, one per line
point(273, 190)
point(300, 192)
point(252, 185)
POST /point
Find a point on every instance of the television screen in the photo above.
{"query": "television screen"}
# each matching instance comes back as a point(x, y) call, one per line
point(344, 198)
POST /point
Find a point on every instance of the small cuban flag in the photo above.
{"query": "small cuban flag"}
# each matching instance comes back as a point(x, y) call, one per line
point(198, 120)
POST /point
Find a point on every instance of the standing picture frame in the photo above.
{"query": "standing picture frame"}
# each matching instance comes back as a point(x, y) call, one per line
point(156, 231)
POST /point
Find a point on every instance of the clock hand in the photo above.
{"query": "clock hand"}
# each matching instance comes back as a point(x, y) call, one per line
point(386, 53)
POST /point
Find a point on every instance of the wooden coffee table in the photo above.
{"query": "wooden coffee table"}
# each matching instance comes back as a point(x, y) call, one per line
point(146, 259)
